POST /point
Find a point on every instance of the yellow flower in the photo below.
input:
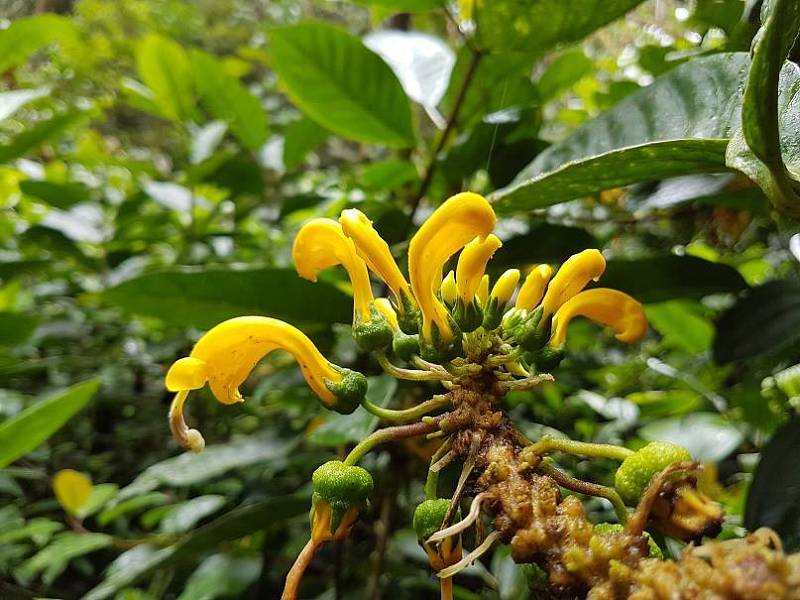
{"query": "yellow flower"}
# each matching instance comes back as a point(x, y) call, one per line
point(482, 293)
point(451, 226)
point(72, 489)
point(578, 270)
point(505, 285)
point(608, 307)
point(321, 243)
point(449, 289)
point(387, 310)
point(532, 291)
point(227, 353)
point(375, 251)
point(472, 264)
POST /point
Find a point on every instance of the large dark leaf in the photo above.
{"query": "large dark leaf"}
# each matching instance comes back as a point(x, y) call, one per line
point(544, 243)
point(203, 298)
point(662, 278)
point(774, 497)
point(58, 195)
point(765, 319)
point(333, 78)
point(16, 328)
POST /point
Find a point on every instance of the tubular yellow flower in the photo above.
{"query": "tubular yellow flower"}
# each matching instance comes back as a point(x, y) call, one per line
point(572, 277)
point(472, 264)
point(375, 251)
point(532, 291)
point(449, 289)
point(505, 285)
point(482, 293)
point(608, 307)
point(387, 310)
point(451, 226)
point(321, 243)
point(226, 355)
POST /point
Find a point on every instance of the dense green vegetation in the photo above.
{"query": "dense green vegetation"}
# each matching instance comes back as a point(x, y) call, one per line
point(157, 158)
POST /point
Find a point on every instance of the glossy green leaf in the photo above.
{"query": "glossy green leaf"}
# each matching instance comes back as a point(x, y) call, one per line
point(775, 492)
point(57, 195)
point(131, 505)
point(662, 278)
point(34, 425)
point(222, 576)
point(565, 71)
point(538, 25)
point(203, 298)
point(680, 124)
point(53, 559)
point(33, 137)
point(184, 516)
point(16, 328)
point(765, 319)
point(333, 78)
point(29, 34)
point(164, 67)
point(228, 100)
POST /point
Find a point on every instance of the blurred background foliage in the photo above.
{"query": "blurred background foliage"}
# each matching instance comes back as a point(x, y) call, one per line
point(157, 158)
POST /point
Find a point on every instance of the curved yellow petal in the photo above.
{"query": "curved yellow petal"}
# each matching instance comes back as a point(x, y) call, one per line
point(387, 310)
point(372, 248)
point(505, 285)
point(532, 290)
point(321, 243)
point(449, 289)
point(608, 307)
point(228, 352)
point(472, 264)
point(578, 270)
point(482, 293)
point(72, 489)
point(451, 226)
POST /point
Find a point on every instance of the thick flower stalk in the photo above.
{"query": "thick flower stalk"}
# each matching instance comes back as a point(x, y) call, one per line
point(480, 339)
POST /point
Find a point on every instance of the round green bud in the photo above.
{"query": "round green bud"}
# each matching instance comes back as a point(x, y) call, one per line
point(336, 482)
point(603, 528)
point(373, 334)
point(404, 345)
point(429, 516)
point(636, 471)
point(349, 392)
point(534, 332)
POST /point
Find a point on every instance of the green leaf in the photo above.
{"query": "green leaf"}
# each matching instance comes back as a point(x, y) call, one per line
point(770, 110)
point(16, 328)
point(53, 559)
point(37, 423)
point(333, 78)
point(164, 67)
point(100, 495)
point(404, 5)
point(221, 575)
point(29, 34)
point(682, 325)
point(299, 138)
point(230, 101)
point(662, 278)
point(184, 516)
point(765, 319)
point(11, 102)
point(233, 525)
point(709, 437)
point(189, 469)
point(538, 25)
point(35, 136)
point(775, 492)
point(544, 243)
point(338, 430)
point(565, 71)
point(137, 503)
point(204, 297)
point(57, 195)
point(680, 124)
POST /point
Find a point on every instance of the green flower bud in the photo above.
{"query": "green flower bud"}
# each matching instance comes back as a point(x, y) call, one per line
point(534, 331)
point(429, 516)
point(439, 351)
point(349, 392)
point(636, 471)
point(408, 318)
point(404, 345)
point(341, 487)
point(373, 334)
point(492, 314)
point(604, 528)
point(547, 359)
point(468, 317)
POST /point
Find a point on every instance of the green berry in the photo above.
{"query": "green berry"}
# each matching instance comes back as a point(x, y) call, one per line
point(341, 486)
point(429, 516)
point(636, 471)
point(373, 334)
point(603, 528)
point(349, 392)
point(404, 345)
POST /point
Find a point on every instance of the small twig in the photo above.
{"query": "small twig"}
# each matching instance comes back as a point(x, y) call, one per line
point(398, 432)
point(587, 488)
point(525, 384)
point(407, 414)
point(410, 374)
point(471, 557)
point(469, 464)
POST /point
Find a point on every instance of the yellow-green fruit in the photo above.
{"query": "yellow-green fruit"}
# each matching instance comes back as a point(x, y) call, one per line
point(636, 471)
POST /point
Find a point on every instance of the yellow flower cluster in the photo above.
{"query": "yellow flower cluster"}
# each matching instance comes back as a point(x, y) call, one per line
point(428, 315)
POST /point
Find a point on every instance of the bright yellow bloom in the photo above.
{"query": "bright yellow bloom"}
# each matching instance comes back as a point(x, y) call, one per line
point(472, 264)
point(387, 310)
point(226, 355)
point(72, 489)
point(532, 291)
point(375, 251)
point(482, 293)
point(608, 307)
point(504, 287)
point(321, 243)
point(449, 289)
point(578, 270)
point(451, 226)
